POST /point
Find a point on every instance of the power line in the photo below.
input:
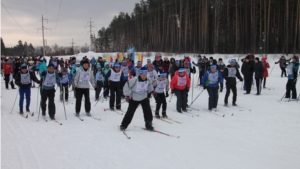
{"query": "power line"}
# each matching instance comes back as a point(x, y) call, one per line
point(14, 18)
point(57, 16)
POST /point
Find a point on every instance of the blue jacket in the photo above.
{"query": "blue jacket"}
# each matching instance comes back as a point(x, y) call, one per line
point(93, 61)
point(73, 71)
point(69, 77)
point(206, 81)
point(295, 68)
point(43, 75)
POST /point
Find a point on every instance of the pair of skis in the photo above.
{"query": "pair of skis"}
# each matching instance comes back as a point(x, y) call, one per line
point(167, 120)
point(46, 120)
point(81, 119)
point(169, 135)
point(27, 114)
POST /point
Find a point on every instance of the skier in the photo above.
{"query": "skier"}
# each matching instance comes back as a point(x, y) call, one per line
point(259, 72)
point(161, 84)
point(8, 70)
point(210, 81)
point(82, 87)
point(220, 67)
point(292, 78)
point(136, 70)
point(152, 74)
point(166, 66)
point(125, 71)
point(64, 84)
point(31, 68)
point(137, 91)
point(180, 85)
point(114, 79)
point(199, 62)
point(105, 70)
point(266, 67)
point(99, 81)
point(75, 68)
point(23, 80)
point(48, 77)
point(247, 71)
point(231, 72)
point(282, 64)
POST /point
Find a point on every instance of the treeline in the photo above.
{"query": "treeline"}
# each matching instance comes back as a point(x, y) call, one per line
point(205, 26)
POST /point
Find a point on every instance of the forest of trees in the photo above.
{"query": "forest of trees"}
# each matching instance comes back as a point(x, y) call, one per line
point(206, 26)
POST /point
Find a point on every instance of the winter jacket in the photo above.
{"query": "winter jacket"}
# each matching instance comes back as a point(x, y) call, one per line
point(55, 63)
point(230, 74)
point(131, 88)
point(105, 70)
point(28, 85)
point(74, 70)
point(84, 85)
point(259, 70)
point(248, 70)
point(175, 83)
point(266, 67)
point(37, 64)
point(61, 75)
point(198, 64)
point(157, 63)
point(31, 68)
point(205, 66)
point(166, 65)
point(161, 85)
point(7, 68)
point(112, 83)
point(292, 70)
point(93, 61)
point(209, 82)
point(43, 76)
point(42, 67)
point(282, 62)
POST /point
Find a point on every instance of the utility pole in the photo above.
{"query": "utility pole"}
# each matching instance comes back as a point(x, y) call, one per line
point(73, 46)
point(91, 32)
point(44, 28)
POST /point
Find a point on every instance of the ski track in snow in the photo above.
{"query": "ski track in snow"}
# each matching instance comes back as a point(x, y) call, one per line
point(265, 134)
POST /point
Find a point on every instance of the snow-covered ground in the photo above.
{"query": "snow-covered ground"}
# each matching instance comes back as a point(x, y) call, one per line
point(264, 133)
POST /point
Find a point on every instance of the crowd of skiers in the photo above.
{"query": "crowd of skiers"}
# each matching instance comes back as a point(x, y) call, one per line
point(136, 83)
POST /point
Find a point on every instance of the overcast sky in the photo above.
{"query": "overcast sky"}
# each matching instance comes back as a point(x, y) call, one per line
point(74, 16)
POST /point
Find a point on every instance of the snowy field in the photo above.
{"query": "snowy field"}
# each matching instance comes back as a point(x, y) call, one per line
point(263, 133)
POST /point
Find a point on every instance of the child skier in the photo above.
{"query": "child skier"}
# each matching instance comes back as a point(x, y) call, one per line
point(160, 86)
point(105, 70)
point(23, 80)
point(64, 84)
point(99, 81)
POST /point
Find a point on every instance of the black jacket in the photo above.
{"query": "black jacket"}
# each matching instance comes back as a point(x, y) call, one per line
point(111, 82)
point(248, 70)
point(259, 70)
point(18, 79)
point(231, 79)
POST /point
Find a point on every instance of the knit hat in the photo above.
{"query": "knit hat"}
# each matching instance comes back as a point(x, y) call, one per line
point(220, 59)
point(117, 65)
point(181, 70)
point(77, 62)
point(213, 66)
point(98, 66)
point(232, 61)
point(85, 62)
point(177, 62)
point(143, 71)
point(23, 66)
point(138, 62)
point(163, 75)
point(257, 58)
point(247, 57)
point(186, 62)
point(296, 57)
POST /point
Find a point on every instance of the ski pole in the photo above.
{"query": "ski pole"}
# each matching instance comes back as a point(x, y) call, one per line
point(298, 98)
point(196, 98)
point(14, 103)
point(37, 101)
point(100, 97)
point(171, 97)
point(271, 71)
point(282, 97)
point(114, 106)
point(63, 99)
point(193, 87)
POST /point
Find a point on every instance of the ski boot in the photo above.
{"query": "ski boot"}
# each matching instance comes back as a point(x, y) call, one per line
point(149, 126)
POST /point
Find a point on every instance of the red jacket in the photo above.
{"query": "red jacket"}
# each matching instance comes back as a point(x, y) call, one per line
point(7, 68)
point(175, 84)
point(266, 67)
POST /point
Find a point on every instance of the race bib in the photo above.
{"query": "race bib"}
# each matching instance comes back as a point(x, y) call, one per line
point(54, 63)
point(65, 79)
point(115, 77)
point(213, 78)
point(50, 80)
point(161, 85)
point(232, 72)
point(84, 77)
point(99, 76)
point(150, 75)
point(25, 78)
point(141, 87)
point(125, 70)
point(181, 81)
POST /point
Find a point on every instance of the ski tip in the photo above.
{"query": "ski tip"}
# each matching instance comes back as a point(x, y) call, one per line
point(223, 115)
point(26, 116)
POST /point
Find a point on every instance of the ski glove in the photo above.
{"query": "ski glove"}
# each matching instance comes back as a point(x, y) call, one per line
point(167, 94)
point(187, 90)
point(221, 89)
point(204, 87)
point(172, 91)
point(127, 98)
